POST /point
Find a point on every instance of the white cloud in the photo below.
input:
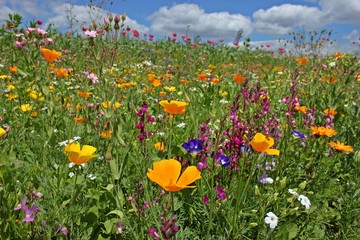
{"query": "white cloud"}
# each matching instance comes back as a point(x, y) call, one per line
point(344, 11)
point(208, 25)
point(283, 19)
point(83, 16)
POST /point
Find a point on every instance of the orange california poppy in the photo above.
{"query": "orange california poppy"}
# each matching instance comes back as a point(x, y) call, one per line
point(50, 55)
point(339, 146)
point(77, 155)
point(302, 61)
point(239, 79)
point(166, 173)
point(337, 54)
point(80, 120)
point(84, 94)
point(330, 112)
point(202, 76)
point(174, 107)
point(262, 143)
point(13, 69)
point(300, 109)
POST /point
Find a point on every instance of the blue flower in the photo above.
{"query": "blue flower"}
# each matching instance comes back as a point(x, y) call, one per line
point(298, 134)
point(224, 160)
point(193, 146)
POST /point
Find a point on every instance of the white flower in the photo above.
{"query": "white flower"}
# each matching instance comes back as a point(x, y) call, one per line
point(71, 174)
point(181, 125)
point(91, 176)
point(332, 64)
point(224, 101)
point(269, 180)
point(291, 191)
point(304, 201)
point(271, 219)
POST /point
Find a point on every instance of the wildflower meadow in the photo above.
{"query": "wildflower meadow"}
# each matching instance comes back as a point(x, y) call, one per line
point(106, 133)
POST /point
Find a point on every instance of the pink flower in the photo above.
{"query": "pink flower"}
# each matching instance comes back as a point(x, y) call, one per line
point(91, 34)
point(136, 33)
point(236, 43)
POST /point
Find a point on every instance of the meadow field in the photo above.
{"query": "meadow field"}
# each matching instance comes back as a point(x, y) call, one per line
point(109, 134)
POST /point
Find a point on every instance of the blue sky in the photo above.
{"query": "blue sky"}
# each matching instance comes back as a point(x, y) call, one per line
point(262, 20)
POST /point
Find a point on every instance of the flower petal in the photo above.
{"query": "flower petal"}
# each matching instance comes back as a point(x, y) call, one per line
point(272, 152)
point(165, 173)
point(190, 175)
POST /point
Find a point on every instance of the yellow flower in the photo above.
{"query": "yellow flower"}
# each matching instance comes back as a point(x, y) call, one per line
point(170, 89)
point(174, 107)
point(50, 55)
point(10, 87)
point(166, 173)
point(26, 107)
point(77, 155)
point(262, 143)
point(106, 134)
point(339, 146)
point(2, 132)
point(108, 104)
point(6, 76)
point(159, 146)
point(11, 96)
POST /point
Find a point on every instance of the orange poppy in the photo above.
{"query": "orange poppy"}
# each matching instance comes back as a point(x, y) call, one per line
point(166, 173)
point(174, 107)
point(106, 134)
point(239, 79)
point(77, 155)
point(262, 143)
point(50, 55)
point(330, 112)
point(302, 61)
point(13, 69)
point(80, 120)
point(300, 109)
point(84, 94)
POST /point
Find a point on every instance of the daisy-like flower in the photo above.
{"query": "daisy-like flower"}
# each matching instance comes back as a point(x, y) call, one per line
point(271, 219)
point(304, 201)
point(262, 143)
point(330, 112)
point(339, 146)
point(323, 131)
point(166, 173)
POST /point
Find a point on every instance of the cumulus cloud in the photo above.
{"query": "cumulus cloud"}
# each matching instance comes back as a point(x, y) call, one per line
point(280, 20)
point(344, 11)
point(190, 17)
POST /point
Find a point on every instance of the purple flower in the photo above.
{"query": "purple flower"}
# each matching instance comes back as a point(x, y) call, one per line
point(119, 228)
point(220, 193)
point(193, 146)
point(63, 230)
point(298, 134)
point(22, 205)
point(152, 233)
point(30, 213)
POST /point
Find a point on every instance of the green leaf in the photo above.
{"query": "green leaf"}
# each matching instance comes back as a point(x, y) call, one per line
point(119, 213)
point(108, 224)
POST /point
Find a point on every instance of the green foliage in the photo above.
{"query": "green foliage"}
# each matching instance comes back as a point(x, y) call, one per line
point(110, 197)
